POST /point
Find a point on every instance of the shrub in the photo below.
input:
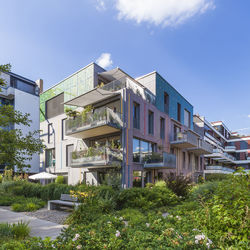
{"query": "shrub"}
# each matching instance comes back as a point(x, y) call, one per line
point(5, 230)
point(203, 191)
point(59, 179)
point(216, 177)
point(146, 198)
point(160, 184)
point(20, 230)
point(1, 178)
point(179, 184)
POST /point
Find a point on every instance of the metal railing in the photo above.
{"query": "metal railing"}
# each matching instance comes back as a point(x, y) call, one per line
point(166, 159)
point(185, 137)
point(94, 155)
point(98, 117)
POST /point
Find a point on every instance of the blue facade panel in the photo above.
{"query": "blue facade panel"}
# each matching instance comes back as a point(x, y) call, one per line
point(174, 98)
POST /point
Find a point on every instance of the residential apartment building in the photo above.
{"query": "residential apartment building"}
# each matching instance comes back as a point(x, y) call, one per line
point(230, 150)
point(23, 94)
point(143, 128)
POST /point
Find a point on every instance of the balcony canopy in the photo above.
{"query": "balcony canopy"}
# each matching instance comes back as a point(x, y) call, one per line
point(114, 74)
point(91, 97)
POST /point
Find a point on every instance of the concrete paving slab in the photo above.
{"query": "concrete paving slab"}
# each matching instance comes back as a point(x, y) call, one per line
point(38, 227)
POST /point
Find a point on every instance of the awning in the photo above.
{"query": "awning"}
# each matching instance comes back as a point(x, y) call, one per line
point(114, 74)
point(91, 97)
point(42, 176)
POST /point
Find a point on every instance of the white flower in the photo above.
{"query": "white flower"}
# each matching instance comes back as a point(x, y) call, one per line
point(126, 223)
point(196, 242)
point(118, 234)
point(79, 247)
point(208, 245)
point(109, 222)
point(147, 224)
point(178, 217)
point(195, 229)
point(76, 237)
point(121, 218)
point(200, 237)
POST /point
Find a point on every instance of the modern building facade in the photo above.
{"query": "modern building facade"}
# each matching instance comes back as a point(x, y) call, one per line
point(23, 94)
point(230, 150)
point(141, 128)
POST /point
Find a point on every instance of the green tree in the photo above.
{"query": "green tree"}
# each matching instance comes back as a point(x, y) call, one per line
point(15, 147)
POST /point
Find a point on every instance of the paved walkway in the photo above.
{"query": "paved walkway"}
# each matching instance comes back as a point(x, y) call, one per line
point(39, 228)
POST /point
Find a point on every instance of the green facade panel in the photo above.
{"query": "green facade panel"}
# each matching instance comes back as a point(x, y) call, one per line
point(75, 85)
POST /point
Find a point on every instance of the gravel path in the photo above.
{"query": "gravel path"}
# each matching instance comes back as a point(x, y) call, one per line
point(56, 216)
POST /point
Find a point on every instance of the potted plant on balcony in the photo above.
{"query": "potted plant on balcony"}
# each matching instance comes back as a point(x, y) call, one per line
point(71, 113)
point(85, 112)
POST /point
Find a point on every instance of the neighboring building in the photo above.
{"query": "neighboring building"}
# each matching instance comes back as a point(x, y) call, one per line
point(23, 94)
point(230, 150)
point(141, 127)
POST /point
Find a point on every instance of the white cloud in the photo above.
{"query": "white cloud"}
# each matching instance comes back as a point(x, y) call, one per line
point(161, 12)
point(105, 60)
point(100, 5)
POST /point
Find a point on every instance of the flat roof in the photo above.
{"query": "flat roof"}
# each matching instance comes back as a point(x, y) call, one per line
point(21, 77)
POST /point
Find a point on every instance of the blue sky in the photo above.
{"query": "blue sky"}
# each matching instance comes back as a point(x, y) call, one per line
point(200, 46)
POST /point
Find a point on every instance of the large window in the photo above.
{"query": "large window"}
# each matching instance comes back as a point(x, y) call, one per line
point(136, 150)
point(187, 118)
point(55, 106)
point(141, 149)
point(69, 150)
point(166, 103)
point(150, 122)
point(179, 112)
point(24, 86)
point(50, 132)
point(50, 157)
point(63, 129)
point(162, 128)
point(136, 115)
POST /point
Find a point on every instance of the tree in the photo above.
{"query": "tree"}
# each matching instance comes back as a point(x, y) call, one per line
point(15, 147)
point(3, 68)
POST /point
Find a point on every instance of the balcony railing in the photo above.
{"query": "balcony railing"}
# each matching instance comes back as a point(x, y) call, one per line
point(156, 160)
point(99, 117)
point(185, 140)
point(96, 157)
point(125, 82)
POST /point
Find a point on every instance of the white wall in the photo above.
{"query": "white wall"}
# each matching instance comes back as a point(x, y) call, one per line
point(60, 148)
point(28, 103)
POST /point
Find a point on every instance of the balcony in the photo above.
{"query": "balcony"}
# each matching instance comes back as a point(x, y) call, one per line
point(203, 148)
point(100, 122)
point(218, 170)
point(230, 149)
point(97, 158)
point(160, 161)
point(185, 140)
point(221, 156)
point(8, 92)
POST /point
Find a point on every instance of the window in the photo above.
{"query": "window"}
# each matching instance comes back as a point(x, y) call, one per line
point(69, 150)
point(166, 103)
point(183, 160)
point(50, 157)
point(24, 86)
point(177, 130)
point(189, 161)
point(141, 149)
point(63, 129)
point(136, 150)
point(179, 112)
point(162, 128)
point(50, 132)
point(55, 106)
point(150, 122)
point(136, 115)
point(137, 178)
point(187, 118)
